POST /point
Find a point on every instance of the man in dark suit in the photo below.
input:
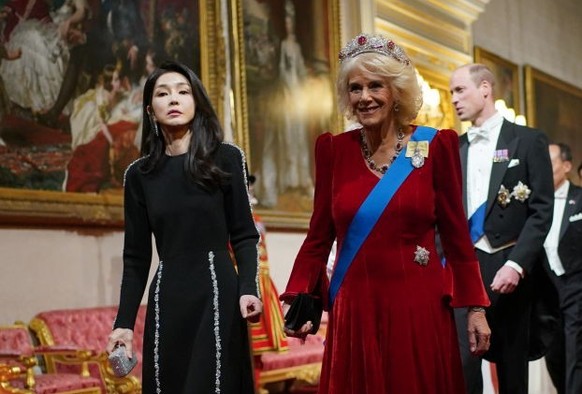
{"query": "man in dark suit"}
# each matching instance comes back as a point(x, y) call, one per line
point(563, 260)
point(508, 197)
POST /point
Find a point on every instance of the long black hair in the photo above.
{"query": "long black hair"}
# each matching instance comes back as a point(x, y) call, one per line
point(207, 134)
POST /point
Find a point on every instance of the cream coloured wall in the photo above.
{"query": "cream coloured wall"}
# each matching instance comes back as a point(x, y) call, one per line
point(546, 34)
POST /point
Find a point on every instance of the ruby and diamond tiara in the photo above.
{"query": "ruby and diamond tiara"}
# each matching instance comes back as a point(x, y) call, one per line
point(366, 43)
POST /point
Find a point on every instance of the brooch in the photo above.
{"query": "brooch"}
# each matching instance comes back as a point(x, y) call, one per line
point(421, 255)
point(503, 196)
point(417, 159)
point(521, 192)
point(417, 151)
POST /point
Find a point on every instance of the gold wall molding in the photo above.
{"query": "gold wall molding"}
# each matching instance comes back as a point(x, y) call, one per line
point(435, 33)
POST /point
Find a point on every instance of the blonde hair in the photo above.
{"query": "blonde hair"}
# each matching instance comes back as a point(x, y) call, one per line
point(400, 77)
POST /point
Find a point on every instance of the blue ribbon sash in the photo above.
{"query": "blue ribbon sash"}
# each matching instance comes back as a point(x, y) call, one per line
point(372, 208)
point(476, 223)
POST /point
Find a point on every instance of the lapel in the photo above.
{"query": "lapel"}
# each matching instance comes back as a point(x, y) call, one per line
point(507, 140)
point(464, 151)
point(574, 195)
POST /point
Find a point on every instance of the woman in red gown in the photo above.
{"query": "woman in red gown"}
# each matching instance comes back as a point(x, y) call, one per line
point(391, 327)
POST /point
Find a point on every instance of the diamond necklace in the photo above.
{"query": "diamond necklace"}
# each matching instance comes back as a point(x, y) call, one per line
point(368, 155)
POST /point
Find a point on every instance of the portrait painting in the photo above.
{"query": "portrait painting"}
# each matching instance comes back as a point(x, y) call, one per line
point(71, 80)
point(287, 53)
point(554, 107)
point(506, 76)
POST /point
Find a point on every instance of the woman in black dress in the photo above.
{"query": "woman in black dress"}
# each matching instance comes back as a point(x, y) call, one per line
point(189, 191)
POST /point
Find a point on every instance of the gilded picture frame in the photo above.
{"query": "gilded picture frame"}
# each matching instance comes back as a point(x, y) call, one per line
point(33, 203)
point(284, 62)
point(553, 106)
point(506, 77)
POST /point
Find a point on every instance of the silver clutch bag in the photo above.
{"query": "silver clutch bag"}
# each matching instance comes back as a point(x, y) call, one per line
point(120, 363)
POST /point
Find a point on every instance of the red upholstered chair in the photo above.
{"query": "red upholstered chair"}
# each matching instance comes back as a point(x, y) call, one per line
point(88, 328)
point(19, 370)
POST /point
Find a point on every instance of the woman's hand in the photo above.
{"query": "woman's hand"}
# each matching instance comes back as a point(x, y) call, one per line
point(250, 308)
point(121, 337)
point(479, 332)
point(302, 332)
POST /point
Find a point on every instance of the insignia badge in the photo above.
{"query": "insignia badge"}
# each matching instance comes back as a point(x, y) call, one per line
point(417, 159)
point(521, 192)
point(421, 255)
point(503, 196)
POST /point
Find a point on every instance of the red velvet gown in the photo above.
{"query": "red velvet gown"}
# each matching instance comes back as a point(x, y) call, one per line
point(391, 328)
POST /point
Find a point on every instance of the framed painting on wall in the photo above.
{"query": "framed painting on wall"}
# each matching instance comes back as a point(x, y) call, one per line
point(70, 110)
point(506, 77)
point(284, 63)
point(554, 107)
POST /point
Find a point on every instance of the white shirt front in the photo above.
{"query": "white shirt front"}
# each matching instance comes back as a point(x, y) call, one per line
point(480, 163)
point(553, 239)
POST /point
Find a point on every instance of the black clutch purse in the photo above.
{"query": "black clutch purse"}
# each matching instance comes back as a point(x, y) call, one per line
point(120, 363)
point(304, 308)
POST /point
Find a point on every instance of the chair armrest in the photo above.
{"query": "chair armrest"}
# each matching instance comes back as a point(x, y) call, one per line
point(71, 355)
point(66, 350)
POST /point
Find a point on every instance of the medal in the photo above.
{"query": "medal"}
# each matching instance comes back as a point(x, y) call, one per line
point(417, 159)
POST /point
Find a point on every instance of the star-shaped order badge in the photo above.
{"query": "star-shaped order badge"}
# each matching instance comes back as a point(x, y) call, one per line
point(503, 196)
point(521, 192)
point(421, 255)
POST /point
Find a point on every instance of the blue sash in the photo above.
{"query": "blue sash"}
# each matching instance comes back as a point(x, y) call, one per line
point(371, 210)
point(477, 222)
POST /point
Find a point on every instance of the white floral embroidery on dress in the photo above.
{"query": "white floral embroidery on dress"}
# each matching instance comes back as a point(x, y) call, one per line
point(244, 166)
point(157, 329)
point(217, 339)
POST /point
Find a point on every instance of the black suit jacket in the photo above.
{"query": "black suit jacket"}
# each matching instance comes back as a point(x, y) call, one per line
point(528, 222)
point(570, 246)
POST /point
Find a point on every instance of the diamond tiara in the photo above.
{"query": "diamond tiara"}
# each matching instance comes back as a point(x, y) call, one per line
point(366, 43)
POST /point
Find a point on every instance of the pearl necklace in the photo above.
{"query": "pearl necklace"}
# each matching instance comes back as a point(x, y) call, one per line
point(368, 155)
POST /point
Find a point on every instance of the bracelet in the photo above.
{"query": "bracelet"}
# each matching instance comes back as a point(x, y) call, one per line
point(476, 309)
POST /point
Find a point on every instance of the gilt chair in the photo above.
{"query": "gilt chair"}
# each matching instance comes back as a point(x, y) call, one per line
point(20, 372)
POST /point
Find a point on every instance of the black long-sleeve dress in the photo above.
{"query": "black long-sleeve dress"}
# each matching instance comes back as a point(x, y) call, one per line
point(195, 339)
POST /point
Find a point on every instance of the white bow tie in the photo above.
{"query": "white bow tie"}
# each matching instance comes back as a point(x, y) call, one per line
point(477, 132)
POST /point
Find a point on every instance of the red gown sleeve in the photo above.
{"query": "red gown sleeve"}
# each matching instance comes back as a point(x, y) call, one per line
point(461, 262)
point(309, 271)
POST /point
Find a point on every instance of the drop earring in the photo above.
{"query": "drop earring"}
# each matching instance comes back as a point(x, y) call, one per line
point(396, 107)
point(154, 125)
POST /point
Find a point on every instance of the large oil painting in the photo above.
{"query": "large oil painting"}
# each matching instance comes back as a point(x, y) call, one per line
point(506, 77)
point(285, 59)
point(554, 106)
point(71, 78)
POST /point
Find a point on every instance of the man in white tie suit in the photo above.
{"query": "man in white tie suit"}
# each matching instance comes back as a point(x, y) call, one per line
point(563, 248)
point(508, 196)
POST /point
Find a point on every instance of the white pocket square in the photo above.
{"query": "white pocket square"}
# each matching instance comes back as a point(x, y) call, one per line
point(575, 218)
point(513, 163)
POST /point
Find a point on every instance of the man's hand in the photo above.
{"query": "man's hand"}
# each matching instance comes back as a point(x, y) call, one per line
point(505, 281)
